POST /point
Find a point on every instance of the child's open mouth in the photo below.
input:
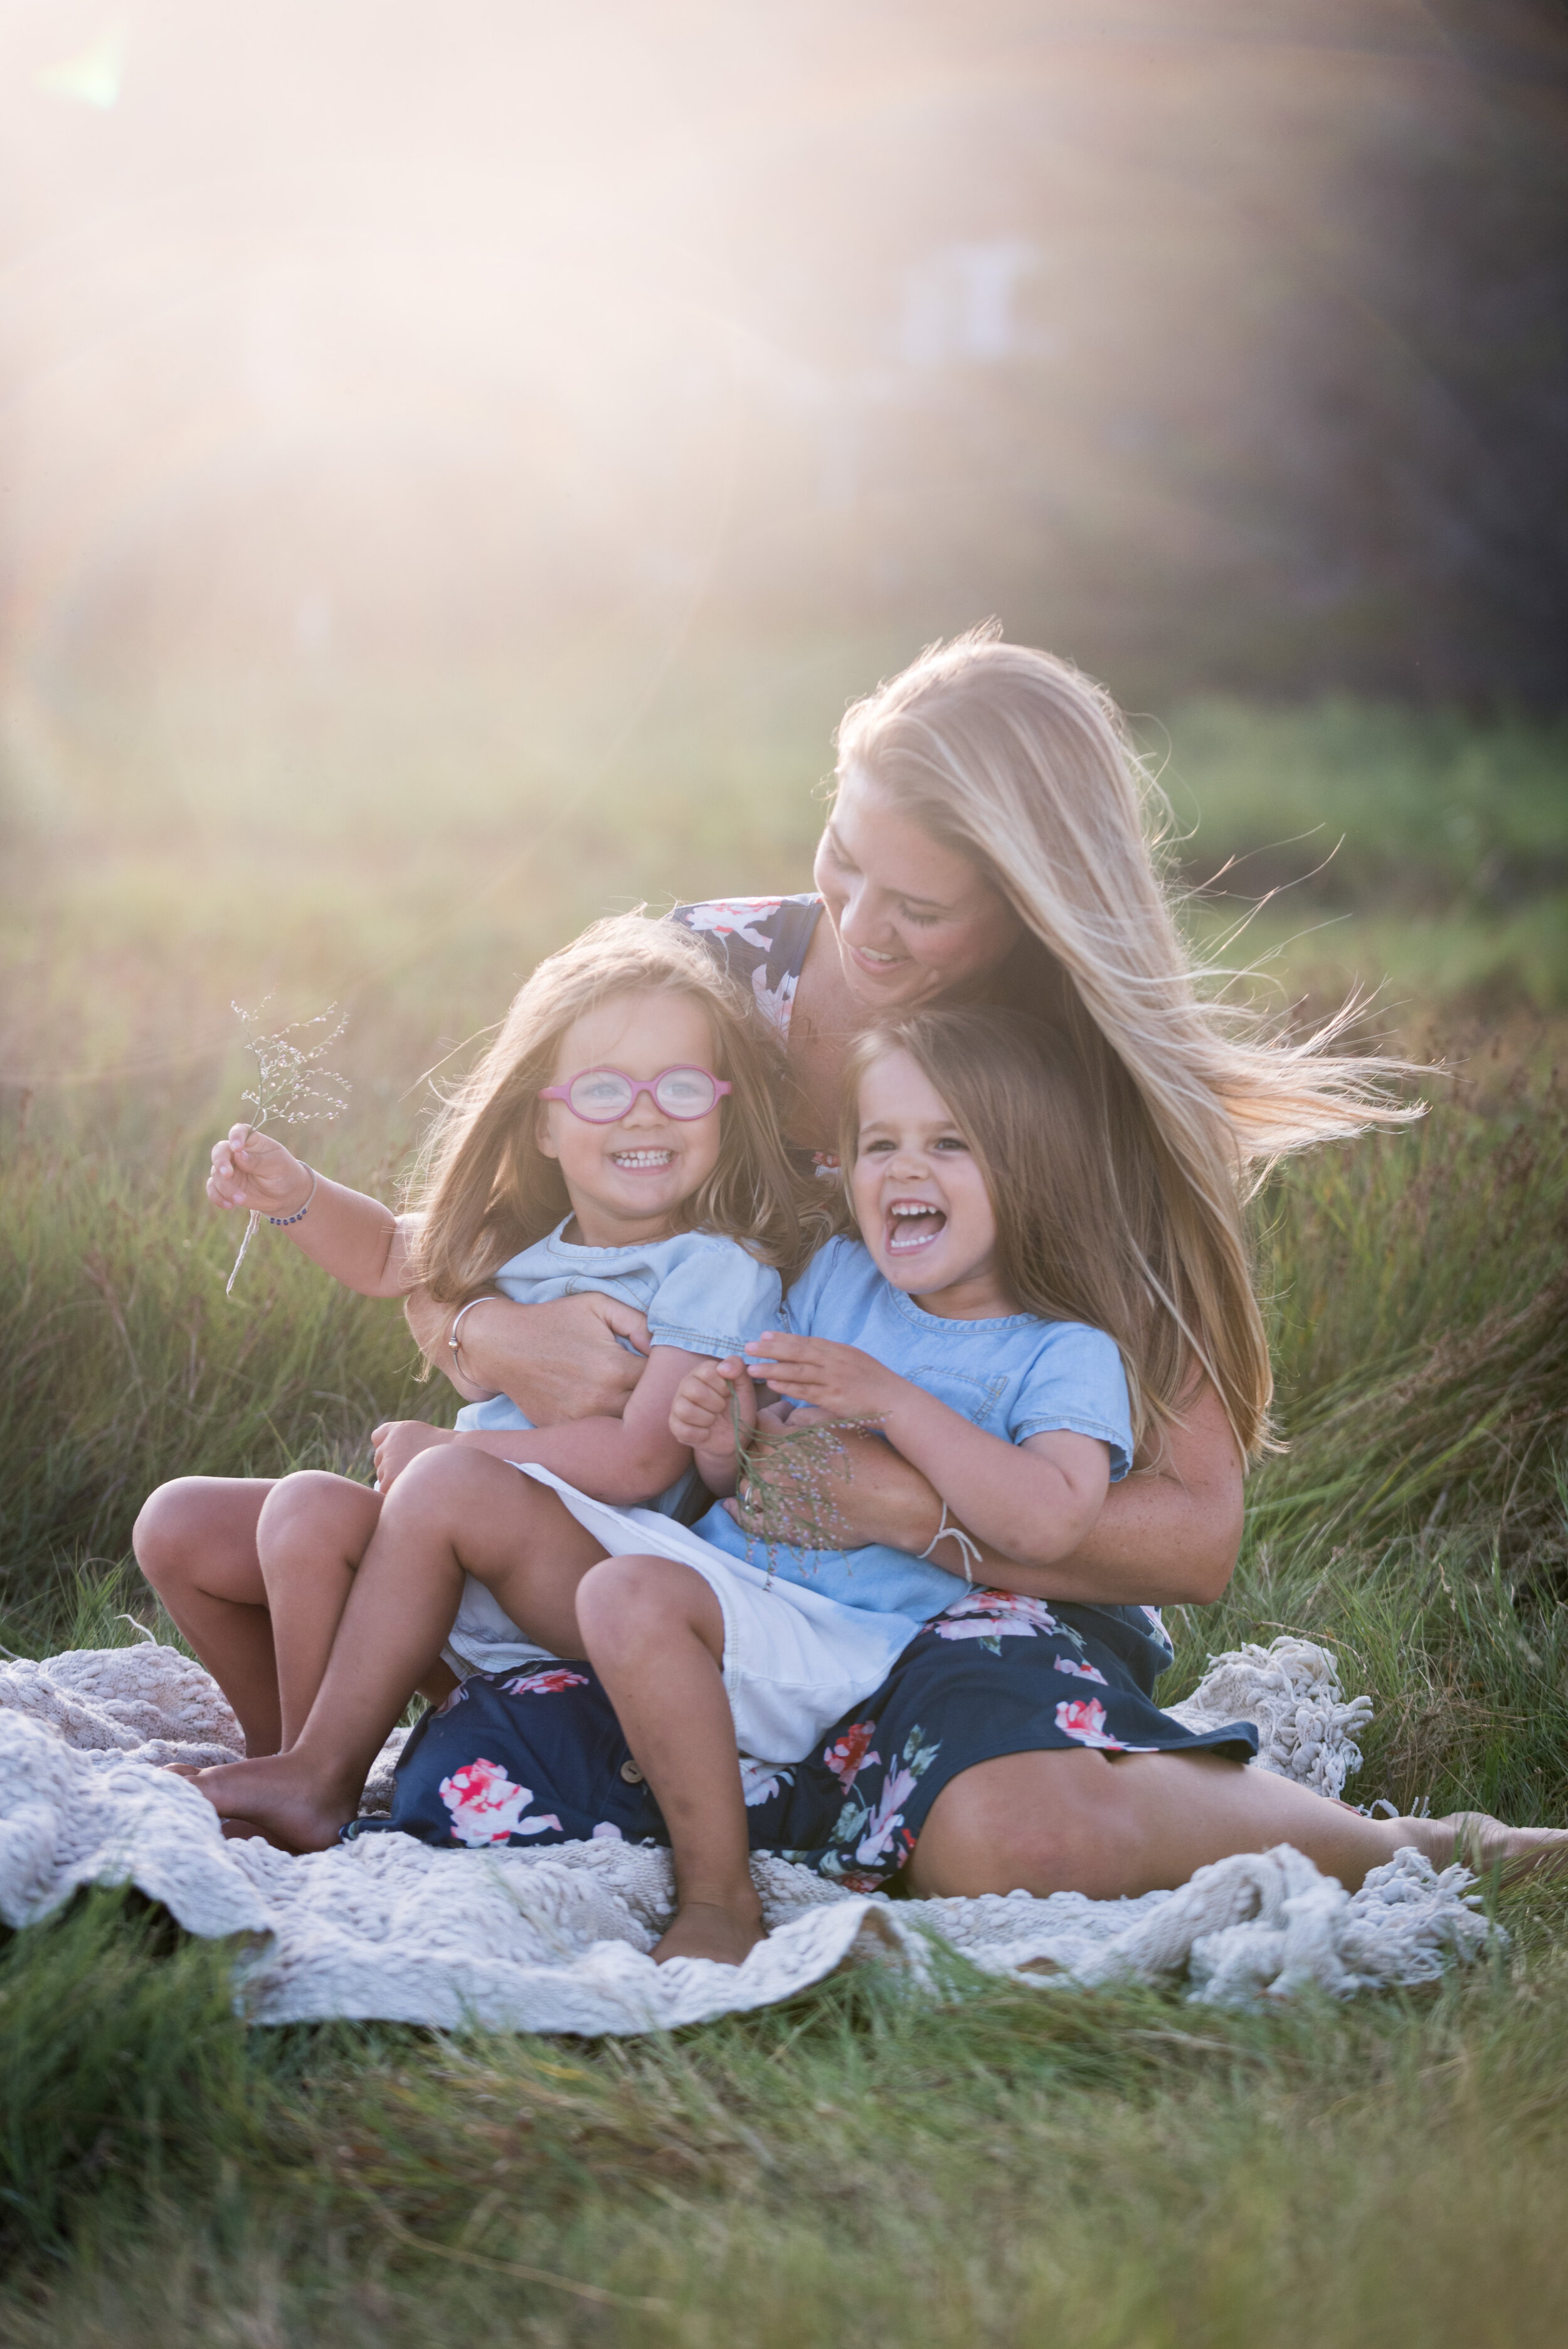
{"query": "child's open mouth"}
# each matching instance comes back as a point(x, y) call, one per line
point(912, 1224)
point(641, 1162)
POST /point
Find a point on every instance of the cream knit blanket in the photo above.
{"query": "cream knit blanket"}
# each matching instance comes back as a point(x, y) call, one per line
point(558, 1939)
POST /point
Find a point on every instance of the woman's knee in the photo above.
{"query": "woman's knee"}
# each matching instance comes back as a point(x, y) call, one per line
point(1041, 1823)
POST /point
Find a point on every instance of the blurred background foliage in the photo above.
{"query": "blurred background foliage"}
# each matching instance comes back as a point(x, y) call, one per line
point(454, 466)
point(456, 470)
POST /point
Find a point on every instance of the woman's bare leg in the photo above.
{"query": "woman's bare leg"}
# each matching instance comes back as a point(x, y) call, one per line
point(653, 1632)
point(195, 1541)
point(1109, 1826)
point(450, 1512)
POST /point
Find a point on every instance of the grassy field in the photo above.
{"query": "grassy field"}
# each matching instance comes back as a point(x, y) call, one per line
point(994, 2169)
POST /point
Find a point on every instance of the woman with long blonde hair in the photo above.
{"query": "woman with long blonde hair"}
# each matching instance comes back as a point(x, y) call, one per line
point(993, 839)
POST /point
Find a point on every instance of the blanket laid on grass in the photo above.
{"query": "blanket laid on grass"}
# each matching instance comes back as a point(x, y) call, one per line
point(558, 1939)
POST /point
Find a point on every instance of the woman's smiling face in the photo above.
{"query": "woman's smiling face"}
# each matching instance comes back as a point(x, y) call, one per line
point(914, 921)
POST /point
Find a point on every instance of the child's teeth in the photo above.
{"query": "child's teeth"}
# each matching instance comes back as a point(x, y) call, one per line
point(922, 1225)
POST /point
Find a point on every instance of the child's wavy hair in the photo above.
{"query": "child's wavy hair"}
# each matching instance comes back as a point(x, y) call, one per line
point(1046, 1142)
point(484, 1190)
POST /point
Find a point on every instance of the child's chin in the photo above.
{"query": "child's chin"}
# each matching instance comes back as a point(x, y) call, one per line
point(909, 1273)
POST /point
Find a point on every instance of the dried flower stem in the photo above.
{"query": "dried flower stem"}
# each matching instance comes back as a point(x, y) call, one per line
point(289, 1086)
point(785, 1484)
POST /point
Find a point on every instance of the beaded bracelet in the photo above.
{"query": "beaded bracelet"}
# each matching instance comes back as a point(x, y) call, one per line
point(283, 1222)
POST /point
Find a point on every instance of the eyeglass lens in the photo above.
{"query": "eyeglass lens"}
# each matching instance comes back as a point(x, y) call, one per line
point(602, 1095)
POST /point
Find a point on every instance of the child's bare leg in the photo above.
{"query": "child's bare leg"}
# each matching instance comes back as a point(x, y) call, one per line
point(313, 1531)
point(655, 1633)
point(451, 1511)
point(195, 1541)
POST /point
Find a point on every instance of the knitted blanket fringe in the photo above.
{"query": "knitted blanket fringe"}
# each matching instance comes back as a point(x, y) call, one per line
point(558, 1939)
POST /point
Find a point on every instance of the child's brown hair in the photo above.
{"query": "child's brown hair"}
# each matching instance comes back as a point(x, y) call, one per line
point(1025, 1104)
point(486, 1191)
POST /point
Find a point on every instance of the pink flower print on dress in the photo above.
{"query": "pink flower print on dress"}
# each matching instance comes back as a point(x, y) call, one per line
point(846, 1756)
point(545, 1683)
point(984, 1614)
point(859, 1879)
point(777, 1004)
point(760, 1781)
point(1080, 1671)
point(1085, 1720)
point(733, 917)
point(486, 1808)
point(887, 1817)
point(605, 1832)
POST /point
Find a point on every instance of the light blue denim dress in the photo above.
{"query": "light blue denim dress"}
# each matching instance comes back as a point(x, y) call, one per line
point(1014, 1376)
point(699, 1292)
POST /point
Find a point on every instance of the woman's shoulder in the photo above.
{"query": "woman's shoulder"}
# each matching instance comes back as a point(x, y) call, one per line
point(764, 940)
point(759, 923)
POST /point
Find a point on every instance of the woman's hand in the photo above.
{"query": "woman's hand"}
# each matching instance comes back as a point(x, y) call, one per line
point(557, 1361)
point(253, 1170)
point(837, 1380)
point(397, 1441)
point(867, 1493)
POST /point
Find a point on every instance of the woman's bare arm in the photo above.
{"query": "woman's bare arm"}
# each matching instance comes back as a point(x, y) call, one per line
point(1166, 1535)
point(557, 1361)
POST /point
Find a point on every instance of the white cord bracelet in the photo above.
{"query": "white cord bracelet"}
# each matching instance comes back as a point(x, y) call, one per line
point(283, 1222)
point(489, 1298)
point(968, 1547)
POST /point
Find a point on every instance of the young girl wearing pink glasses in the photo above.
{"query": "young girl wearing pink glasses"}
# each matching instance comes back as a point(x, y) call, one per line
point(595, 1147)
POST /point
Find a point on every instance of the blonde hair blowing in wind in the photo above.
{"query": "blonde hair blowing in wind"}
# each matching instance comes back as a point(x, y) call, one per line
point(483, 1189)
point(1013, 757)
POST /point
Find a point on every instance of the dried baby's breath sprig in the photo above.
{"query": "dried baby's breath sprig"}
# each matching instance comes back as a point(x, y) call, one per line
point(290, 1086)
point(785, 1484)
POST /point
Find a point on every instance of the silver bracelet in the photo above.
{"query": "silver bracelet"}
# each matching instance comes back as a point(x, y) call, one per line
point(283, 1222)
point(490, 1298)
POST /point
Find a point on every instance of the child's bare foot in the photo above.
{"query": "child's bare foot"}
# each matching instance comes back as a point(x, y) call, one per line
point(277, 1799)
point(715, 1930)
point(247, 1831)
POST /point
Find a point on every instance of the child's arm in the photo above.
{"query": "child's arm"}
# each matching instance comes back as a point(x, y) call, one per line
point(357, 1240)
point(623, 1461)
point(1033, 1502)
point(702, 1418)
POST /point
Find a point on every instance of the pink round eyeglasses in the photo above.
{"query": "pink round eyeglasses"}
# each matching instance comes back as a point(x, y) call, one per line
point(602, 1096)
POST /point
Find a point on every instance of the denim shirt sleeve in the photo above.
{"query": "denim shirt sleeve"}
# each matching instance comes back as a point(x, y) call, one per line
point(1076, 1386)
point(715, 1300)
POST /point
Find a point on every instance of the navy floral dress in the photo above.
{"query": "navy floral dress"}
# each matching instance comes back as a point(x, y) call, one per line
point(535, 1758)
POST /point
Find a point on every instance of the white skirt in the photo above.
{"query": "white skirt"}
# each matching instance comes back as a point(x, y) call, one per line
point(795, 1661)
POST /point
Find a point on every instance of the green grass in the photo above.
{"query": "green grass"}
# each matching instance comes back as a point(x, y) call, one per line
point(1004, 2165)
